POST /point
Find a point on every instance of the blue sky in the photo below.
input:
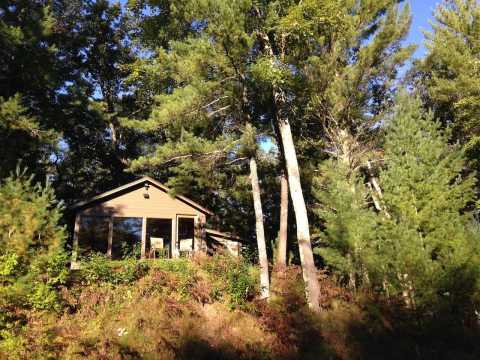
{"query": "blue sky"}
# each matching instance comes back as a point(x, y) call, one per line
point(422, 12)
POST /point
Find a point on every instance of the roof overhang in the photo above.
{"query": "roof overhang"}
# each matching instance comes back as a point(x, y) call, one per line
point(223, 235)
point(126, 187)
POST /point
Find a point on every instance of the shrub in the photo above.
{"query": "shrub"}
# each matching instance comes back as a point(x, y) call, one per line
point(43, 297)
point(8, 265)
point(98, 268)
point(183, 271)
point(95, 268)
point(233, 276)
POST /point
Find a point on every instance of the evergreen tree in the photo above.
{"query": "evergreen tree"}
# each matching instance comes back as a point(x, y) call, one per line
point(348, 219)
point(326, 63)
point(208, 115)
point(33, 263)
point(29, 77)
point(449, 74)
point(22, 138)
point(95, 150)
point(425, 247)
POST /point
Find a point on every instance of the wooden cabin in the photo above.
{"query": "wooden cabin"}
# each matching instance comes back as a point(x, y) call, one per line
point(142, 219)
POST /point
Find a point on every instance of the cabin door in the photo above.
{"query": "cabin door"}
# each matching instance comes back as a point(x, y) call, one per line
point(159, 238)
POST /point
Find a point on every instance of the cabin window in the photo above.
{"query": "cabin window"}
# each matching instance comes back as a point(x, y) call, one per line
point(159, 238)
point(186, 231)
point(93, 235)
point(127, 237)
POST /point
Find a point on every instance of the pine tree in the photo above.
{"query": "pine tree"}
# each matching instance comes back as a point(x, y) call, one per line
point(33, 263)
point(425, 248)
point(348, 219)
point(208, 114)
point(95, 150)
point(449, 74)
point(326, 63)
point(23, 139)
point(29, 217)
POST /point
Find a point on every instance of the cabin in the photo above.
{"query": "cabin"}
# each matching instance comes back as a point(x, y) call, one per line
point(142, 219)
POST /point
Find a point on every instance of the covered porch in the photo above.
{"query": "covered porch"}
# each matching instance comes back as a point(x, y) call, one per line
point(138, 220)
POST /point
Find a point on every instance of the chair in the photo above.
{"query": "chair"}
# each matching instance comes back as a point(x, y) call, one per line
point(156, 244)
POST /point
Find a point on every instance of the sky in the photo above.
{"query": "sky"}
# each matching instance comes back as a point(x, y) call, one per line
point(422, 12)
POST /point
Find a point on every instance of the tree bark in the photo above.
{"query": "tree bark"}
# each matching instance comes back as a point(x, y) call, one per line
point(309, 269)
point(282, 236)
point(262, 247)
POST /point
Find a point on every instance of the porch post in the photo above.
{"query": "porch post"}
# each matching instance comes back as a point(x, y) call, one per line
point(110, 237)
point(76, 230)
point(144, 238)
point(175, 250)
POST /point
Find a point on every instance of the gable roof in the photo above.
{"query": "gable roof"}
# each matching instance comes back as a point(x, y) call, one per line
point(145, 179)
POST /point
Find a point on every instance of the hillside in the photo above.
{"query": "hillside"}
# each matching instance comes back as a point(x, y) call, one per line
point(206, 309)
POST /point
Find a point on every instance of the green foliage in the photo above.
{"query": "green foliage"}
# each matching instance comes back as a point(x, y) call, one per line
point(8, 265)
point(349, 223)
point(183, 271)
point(33, 264)
point(450, 72)
point(29, 216)
point(43, 297)
point(21, 131)
point(98, 268)
point(425, 242)
point(420, 246)
point(233, 278)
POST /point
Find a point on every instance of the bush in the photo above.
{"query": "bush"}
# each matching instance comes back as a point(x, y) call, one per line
point(233, 276)
point(183, 271)
point(8, 266)
point(97, 268)
point(43, 297)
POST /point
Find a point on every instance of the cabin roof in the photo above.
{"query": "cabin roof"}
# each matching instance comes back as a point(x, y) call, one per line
point(133, 184)
point(225, 235)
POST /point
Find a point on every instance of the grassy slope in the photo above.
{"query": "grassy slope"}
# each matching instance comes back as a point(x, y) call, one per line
point(188, 310)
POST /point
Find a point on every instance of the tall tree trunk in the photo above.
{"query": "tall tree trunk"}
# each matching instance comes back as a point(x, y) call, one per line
point(312, 287)
point(282, 236)
point(262, 247)
point(309, 270)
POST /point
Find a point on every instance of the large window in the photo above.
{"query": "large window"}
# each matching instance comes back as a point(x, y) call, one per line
point(159, 237)
point(186, 230)
point(127, 237)
point(93, 235)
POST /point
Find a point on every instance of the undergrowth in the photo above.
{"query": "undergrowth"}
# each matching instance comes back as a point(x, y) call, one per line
point(206, 308)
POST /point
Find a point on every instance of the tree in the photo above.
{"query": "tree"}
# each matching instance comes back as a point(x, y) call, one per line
point(29, 78)
point(208, 113)
point(23, 140)
point(32, 257)
point(427, 251)
point(448, 76)
point(348, 220)
point(95, 149)
point(326, 62)
point(283, 228)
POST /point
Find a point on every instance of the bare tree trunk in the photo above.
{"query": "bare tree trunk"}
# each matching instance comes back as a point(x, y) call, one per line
point(113, 130)
point(312, 287)
point(282, 238)
point(262, 247)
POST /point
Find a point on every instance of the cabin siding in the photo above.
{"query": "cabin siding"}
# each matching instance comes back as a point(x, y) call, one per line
point(159, 204)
